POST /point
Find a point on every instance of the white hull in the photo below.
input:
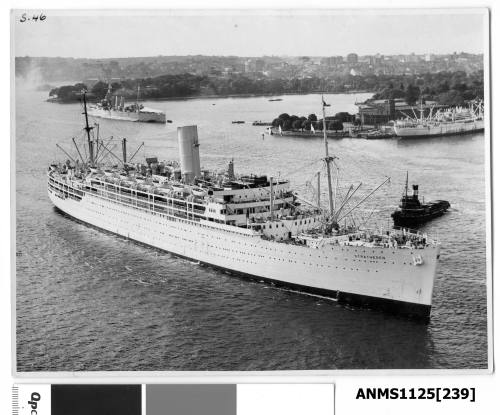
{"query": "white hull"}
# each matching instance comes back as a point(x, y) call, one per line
point(439, 129)
point(144, 115)
point(388, 274)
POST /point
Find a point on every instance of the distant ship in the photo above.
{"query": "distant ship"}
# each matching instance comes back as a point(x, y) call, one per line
point(118, 110)
point(262, 123)
point(453, 121)
point(254, 226)
point(412, 212)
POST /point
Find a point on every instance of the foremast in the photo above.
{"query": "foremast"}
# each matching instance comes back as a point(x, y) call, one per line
point(328, 160)
point(88, 128)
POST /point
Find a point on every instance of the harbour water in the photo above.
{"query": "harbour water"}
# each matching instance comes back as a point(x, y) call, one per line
point(87, 300)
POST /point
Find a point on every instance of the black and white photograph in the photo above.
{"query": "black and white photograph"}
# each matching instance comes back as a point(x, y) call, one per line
point(251, 190)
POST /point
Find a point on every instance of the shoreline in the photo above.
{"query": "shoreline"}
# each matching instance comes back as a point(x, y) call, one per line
point(249, 95)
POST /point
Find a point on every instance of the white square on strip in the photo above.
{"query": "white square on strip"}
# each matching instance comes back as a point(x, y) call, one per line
point(285, 399)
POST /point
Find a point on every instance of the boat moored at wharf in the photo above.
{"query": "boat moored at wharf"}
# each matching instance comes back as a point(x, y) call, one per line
point(454, 121)
point(251, 225)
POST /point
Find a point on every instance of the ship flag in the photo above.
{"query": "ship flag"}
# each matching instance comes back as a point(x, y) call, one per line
point(325, 104)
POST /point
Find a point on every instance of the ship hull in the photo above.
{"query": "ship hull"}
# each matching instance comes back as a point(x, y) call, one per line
point(409, 221)
point(387, 279)
point(440, 130)
point(153, 117)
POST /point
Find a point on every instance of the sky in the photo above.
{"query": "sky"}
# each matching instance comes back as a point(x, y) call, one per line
point(248, 33)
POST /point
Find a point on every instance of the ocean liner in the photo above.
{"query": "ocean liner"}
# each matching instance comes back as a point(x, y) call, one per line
point(118, 110)
point(453, 121)
point(252, 225)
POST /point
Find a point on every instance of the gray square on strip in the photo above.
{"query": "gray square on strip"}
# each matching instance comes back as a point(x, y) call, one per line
point(191, 400)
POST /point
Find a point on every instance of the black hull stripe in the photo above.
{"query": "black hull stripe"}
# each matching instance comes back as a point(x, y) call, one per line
point(400, 220)
point(414, 311)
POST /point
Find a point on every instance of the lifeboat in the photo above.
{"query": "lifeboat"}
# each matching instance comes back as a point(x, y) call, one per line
point(178, 187)
point(198, 191)
point(163, 190)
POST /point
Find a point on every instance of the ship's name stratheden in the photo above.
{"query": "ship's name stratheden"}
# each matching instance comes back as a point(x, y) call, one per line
point(369, 257)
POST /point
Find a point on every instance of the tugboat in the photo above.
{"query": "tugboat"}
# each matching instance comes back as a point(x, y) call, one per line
point(412, 212)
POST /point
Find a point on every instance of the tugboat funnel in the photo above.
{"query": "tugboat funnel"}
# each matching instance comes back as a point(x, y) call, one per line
point(189, 153)
point(415, 191)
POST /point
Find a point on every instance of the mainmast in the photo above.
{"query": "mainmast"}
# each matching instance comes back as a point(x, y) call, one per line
point(88, 128)
point(405, 198)
point(328, 159)
point(406, 186)
point(137, 99)
point(421, 111)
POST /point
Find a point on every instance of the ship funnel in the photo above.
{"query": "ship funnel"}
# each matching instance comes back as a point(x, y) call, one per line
point(189, 152)
point(230, 170)
point(415, 191)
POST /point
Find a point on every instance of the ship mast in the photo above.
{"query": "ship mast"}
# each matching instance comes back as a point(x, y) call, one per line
point(406, 186)
point(421, 111)
point(88, 128)
point(328, 159)
point(137, 99)
point(403, 202)
point(319, 189)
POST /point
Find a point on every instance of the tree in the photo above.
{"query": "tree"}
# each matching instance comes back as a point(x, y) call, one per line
point(412, 94)
point(336, 125)
point(343, 117)
point(312, 117)
point(100, 89)
point(460, 86)
point(297, 124)
point(284, 116)
point(80, 86)
point(66, 92)
point(287, 124)
point(306, 125)
point(443, 87)
point(115, 86)
point(452, 98)
point(277, 122)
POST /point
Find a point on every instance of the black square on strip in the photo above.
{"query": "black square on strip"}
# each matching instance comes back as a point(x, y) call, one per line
point(96, 399)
